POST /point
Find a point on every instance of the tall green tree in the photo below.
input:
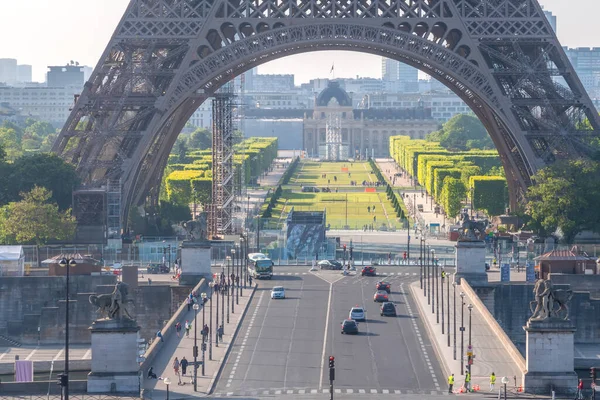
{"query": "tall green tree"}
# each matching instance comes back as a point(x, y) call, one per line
point(462, 132)
point(453, 193)
point(35, 220)
point(44, 170)
point(565, 198)
point(200, 139)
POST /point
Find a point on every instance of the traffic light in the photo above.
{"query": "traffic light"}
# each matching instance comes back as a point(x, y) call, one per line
point(62, 380)
point(593, 373)
point(331, 362)
point(331, 368)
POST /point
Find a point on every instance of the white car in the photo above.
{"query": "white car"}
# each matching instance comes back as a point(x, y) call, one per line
point(357, 314)
point(278, 292)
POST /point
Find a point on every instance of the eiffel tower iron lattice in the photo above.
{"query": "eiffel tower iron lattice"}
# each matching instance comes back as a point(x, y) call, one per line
point(168, 56)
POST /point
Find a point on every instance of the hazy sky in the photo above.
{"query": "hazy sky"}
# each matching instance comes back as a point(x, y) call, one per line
point(53, 32)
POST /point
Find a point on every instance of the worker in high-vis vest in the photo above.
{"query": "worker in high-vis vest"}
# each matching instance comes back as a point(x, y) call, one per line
point(467, 381)
point(492, 382)
point(450, 383)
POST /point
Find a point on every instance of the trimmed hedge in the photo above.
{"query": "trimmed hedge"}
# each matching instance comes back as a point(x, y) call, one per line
point(490, 194)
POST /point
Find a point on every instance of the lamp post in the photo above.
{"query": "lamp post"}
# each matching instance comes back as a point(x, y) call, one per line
point(448, 306)
point(235, 278)
point(470, 307)
point(196, 307)
point(222, 287)
point(454, 317)
point(167, 382)
point(67, 263)
point(242, 259)
point(228, 260)
point(429, 296)
point(238, 276)
point(442, 276)
point(232, 277)
point(420, 262)
point(210, 318)
point(504, 382)
point(204, 333)
point(437, 287)
point(216, 316)
point(462, 333)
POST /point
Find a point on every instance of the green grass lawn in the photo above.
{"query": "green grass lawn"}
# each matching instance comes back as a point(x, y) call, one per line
point(310, 173)
point(354, 203)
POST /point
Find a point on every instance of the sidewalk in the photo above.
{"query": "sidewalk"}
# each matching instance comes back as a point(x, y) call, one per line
point(489, 354)
point(183, 346)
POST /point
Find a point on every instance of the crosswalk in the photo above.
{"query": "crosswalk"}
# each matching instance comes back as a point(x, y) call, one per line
point(271, 392)
point(382, 275)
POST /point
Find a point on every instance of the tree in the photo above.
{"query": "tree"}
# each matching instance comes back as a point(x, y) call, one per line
point(453, 192)
point(35, 220)
point(200, 139)
point(44, 170)
point(565, 198)
point(462, 132)
point(11, 142)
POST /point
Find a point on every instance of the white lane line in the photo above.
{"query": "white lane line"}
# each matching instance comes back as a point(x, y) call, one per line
point(31, 354)
point(5, 353)
point(57, 356)
point(325, 336)
point(87, 355)
point(287, 359)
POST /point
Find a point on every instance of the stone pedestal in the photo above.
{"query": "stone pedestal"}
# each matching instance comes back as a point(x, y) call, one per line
point(550, 356)
point(195, 262)
point(115, 366)
point(470, 262)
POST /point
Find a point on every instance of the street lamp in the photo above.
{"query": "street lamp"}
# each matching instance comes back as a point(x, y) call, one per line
point(420, 238)
point(242, 260)
point(470, 307)
point(196, 307)
point(504, 382)
point(448, 306)
point(454, 316)
point(429, 296)
point(462, 333)
point(442, 276)
point(67, 263)
point(237, 276)
point(228, 260)
point(204, 333)
point(167, 382)
point(233, 280)
point(437, 287)
point(210, 318)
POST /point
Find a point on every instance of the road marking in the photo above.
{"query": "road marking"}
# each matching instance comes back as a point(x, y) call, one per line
point(325, 335)
point(57, 356)
point(87, 355)
point(32, 353)
point(5, 353)
point(361, 391)
point(287, 359)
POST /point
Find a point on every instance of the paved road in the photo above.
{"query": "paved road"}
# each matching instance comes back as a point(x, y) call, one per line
point(283, 345)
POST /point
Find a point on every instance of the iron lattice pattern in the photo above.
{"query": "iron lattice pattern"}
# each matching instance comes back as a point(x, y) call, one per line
point(220, 222)
point(167, 56)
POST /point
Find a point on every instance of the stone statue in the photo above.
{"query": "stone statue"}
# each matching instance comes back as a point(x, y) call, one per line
point(546, 298)
point(196, 229)
point(112, 306)
point(471, 230)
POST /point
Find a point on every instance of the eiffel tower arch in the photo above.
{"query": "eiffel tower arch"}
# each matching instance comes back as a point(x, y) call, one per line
point(168, 56)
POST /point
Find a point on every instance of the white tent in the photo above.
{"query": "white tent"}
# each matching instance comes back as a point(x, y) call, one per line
point(12, 261)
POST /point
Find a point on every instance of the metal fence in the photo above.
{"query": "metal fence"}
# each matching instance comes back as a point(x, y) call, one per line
point(72, 396)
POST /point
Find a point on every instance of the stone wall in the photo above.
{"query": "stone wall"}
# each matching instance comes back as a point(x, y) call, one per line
point(510, 307)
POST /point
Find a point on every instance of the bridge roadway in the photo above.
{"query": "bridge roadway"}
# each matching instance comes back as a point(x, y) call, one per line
point(283, 345)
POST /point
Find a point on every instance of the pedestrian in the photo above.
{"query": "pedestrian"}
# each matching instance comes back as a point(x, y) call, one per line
point(450, 383)
point(220, 332)
point(188, 300)
point(250, 279)
point(178, 329)
point(187, 328)
point(176, 366)
point(467, 385)
point(492, 382)
point(580, 390)
point(159, 335)
point(369, 209)
point(184, 363)
point(151, 374)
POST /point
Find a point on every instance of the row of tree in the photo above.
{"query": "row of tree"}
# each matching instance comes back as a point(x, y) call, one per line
point(28, 137)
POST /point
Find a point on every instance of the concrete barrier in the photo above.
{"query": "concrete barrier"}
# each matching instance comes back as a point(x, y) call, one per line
point(8, 368)
point(40, 387)
point(508, 345)
point(168, 330)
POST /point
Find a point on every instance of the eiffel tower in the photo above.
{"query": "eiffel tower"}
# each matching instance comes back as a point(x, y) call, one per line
point(168, 56)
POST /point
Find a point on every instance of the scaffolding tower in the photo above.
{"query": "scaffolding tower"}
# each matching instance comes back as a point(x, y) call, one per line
point(221, 210)
point(333, 137)
point(113, 209)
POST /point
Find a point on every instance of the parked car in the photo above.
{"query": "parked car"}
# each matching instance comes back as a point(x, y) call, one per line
point(310, 189)
point(157, 268)
point(388, 309)
point(330, 264)
point(368, 271)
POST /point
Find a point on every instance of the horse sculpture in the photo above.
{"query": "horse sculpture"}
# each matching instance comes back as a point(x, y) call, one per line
point(562, 298)
point(112, 305)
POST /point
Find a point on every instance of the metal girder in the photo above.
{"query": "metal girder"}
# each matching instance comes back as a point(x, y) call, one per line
point(166, 56)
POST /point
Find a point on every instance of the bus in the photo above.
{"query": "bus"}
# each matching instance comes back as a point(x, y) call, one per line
point(260, 266)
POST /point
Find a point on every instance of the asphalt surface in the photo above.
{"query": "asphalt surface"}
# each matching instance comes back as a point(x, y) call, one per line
point(284, 345)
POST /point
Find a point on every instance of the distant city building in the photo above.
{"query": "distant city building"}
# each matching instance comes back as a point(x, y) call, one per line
point(586, 62)
point(271, 83)
point(8, 70)
point(63, 76)
point(49, 104)
point(364, 132)
point(87, 73)
point(24, 73)
point(407, 77)
point(551, 18)
point(275, 100)
point(202, 117)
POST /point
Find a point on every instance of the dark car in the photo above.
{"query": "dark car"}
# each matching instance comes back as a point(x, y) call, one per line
point(157, 269)
point(487, 266)
point(349, 326)
point(380, 296)
point(388, 309)
point(310, 189)
point(368, 271)
point(330, 264)
point(381, 285)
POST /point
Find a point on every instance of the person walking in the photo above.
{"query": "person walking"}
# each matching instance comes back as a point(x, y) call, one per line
point(187, 328)
point(176, 366)
point(250, 279)
point(184, 364)
point(580, 390)
point(492, 382)
point(467, 385)
point(450, 383)
point(188, 301)
point(178, 329)
point(220, 332)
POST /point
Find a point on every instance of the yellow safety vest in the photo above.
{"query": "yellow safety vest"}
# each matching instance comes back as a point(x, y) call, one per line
point(443, 274)
point(451, 380)
point(468, 377)
point(493, 379)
